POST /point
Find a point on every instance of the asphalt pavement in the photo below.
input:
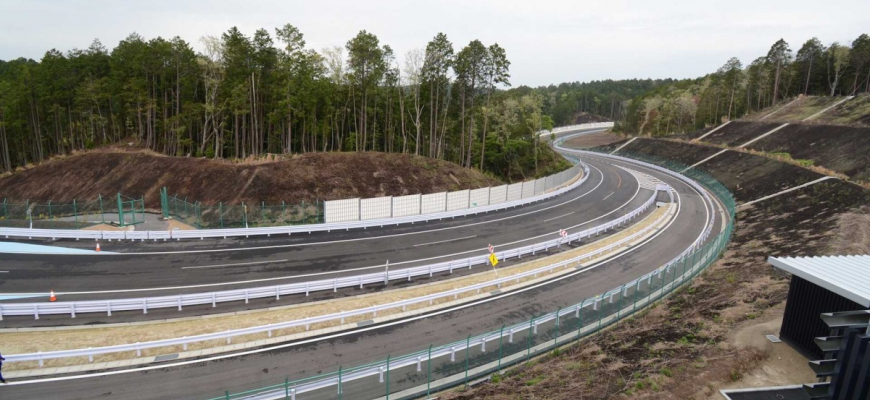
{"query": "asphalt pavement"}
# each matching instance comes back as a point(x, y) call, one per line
point(268, 366)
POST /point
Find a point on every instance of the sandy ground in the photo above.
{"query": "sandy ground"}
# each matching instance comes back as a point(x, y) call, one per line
point(783, 365)
point(23, 341)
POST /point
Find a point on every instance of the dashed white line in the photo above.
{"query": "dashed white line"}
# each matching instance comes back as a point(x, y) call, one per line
point(605, 197)
point(235, 265)
point(445, 241)
point(563, 215)
point(365, 329)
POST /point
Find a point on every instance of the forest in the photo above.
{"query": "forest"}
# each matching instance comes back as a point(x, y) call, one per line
point(735, 89)
point(248, 96)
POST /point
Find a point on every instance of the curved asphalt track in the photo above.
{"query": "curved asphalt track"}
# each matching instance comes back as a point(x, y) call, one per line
point(269, 365)
point(193, 266)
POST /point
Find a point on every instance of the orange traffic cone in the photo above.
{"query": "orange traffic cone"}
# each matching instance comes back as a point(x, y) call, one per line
point(98, 247)
point(53, 297)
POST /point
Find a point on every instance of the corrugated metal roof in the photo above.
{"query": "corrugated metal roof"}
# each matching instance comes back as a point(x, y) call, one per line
point(847, 276)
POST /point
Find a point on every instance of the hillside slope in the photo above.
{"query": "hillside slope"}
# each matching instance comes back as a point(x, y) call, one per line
point(690, 345)
point(308, 177)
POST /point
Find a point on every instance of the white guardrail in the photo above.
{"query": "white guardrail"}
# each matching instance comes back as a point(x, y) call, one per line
point(507, 332)
point(569, 128)
point(496, 198)
point(147, 303)
point(377, 278)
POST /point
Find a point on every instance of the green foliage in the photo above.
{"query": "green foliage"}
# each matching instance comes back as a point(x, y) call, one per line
point(245, 96)
point(735, 90)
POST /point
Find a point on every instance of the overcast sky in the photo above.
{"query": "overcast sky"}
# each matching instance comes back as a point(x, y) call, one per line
point(546, 41)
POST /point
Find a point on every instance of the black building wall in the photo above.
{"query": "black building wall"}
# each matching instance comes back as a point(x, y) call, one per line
point(801, 322)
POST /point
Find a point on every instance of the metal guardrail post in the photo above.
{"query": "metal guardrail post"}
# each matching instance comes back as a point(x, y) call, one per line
point(500, 338)
point(467, 345)
point(49, 211)
point(120, 210)
point(102, 215)
point(556, 339)
point(339, 382)
point(75, 211)
point(221, 213)
point(429, 372)
point(388, 377)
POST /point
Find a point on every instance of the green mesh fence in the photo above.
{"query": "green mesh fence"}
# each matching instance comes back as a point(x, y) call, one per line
point(448, 365)
point(243, 215)
point(117, 210)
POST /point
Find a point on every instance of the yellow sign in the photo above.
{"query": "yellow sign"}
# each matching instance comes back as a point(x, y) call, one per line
point(493, 260)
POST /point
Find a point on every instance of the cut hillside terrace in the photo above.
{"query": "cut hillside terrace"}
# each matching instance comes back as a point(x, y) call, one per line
point(688, 346)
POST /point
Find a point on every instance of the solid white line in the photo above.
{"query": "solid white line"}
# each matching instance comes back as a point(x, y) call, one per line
point(366, 329)
point(825, 110)
point(445, 241)
point(4, 272)
point(786, 191)
point(764, 135)
point(373, 237)
point(623, 145)
point(611, 194)
point(235, 265)
point(370, 267)
point(565, 215)
point(703, 161)
point(714, 130)
point(779, 109)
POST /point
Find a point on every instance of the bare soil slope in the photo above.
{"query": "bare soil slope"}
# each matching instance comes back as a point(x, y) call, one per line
point(314, 176)
point(686, 345)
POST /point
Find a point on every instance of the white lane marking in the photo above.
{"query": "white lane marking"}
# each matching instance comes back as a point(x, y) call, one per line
point(606, 197)
point(624, 144)
point(637, 190)
point(367, 238)
point(4, 272)
point(445, 241)
point(786, 191)
point(235, 265)
point(563, 215)
point(709, 133)
point(387, 324)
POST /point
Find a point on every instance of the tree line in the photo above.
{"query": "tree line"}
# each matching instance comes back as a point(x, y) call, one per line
point(735, 90)
point(246, 96)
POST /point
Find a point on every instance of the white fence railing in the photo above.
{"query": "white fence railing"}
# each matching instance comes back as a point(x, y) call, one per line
point(373, 310)
point(378, 369)
point(569, 128)
point(149, 303)
point(405, 209)
point(390, 207)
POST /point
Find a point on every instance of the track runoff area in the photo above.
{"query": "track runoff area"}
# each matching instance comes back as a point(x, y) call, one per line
point(612, 188)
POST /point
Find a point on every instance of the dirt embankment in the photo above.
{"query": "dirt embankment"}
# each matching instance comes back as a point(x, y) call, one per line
point(688, 344)
point(308, 177)
point(585, 118)
point(592, 140)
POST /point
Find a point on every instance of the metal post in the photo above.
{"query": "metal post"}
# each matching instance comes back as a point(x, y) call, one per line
point(467, 345)
point(387, 273)
point(199, 211)
point(339, 382)
point(49, 211)
point(580, 319)
point(245, 214)
point(120, 211)
point(529, 339)
point(556, 339)
point(75, 211)
point(102, 217)
point(286, 388)
point(388, 377)
point(500, 338)
point(429, 373)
